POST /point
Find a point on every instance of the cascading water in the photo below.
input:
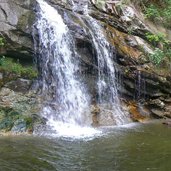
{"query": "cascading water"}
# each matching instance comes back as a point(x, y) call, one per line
point(66, 97)
point(67, 102)
point(141, 87)
point(107, 85)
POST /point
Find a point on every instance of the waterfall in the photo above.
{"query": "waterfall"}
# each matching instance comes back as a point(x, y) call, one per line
point(66, 98)
point(107, 82)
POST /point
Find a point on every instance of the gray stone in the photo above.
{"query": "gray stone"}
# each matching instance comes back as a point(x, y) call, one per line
point(19, 85)
point(16, 22)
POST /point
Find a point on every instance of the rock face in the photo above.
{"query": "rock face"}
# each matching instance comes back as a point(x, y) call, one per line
point(16, 22)
point(145, 90)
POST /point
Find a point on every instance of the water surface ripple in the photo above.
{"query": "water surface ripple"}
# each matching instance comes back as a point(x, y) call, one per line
point(136, 148)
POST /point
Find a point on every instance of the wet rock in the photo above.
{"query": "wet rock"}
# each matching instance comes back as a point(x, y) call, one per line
point(19, 85)
point(1, 76)
point(19, 111)
point(106, 117)
point(121, 16)
point(167, 100)
point(138, 113)
point(95, 111)
point(102, 115)
point(7, 118)
point(16, 22)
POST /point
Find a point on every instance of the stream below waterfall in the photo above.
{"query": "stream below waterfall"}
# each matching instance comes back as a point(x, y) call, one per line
point(138, 147)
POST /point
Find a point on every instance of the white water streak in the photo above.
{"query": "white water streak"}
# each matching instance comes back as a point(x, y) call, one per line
point(69, 100)
point(107, 85)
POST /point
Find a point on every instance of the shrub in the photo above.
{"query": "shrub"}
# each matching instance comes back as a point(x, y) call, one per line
point(152, 12)
point(160, 10)
point(155, 38)
point(8, 64)
point(157, 56)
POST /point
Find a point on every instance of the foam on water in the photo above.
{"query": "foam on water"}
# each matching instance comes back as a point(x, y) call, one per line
point(68, 130)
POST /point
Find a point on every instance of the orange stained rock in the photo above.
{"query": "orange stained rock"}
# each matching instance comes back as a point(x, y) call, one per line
point(135, 114)
point(118, 39)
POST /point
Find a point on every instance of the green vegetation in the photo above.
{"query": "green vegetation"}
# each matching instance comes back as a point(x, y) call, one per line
point(159, 53)
point(157, 56)
point(156, 38)
point(158, 10)
point(152, 12)
point(9, 65)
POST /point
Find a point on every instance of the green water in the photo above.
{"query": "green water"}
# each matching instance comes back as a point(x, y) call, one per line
point(142, 147)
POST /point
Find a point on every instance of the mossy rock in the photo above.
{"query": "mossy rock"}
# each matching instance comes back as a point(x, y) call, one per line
point(11, 120)
point(7, 118)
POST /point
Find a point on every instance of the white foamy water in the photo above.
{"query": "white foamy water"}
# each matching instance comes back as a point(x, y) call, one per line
point(72, 131)
point(107, 82)
point(67, 102)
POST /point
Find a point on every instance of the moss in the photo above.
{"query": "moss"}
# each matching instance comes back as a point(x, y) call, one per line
point(8, 64)
point(1, 42)
point(100, 4)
